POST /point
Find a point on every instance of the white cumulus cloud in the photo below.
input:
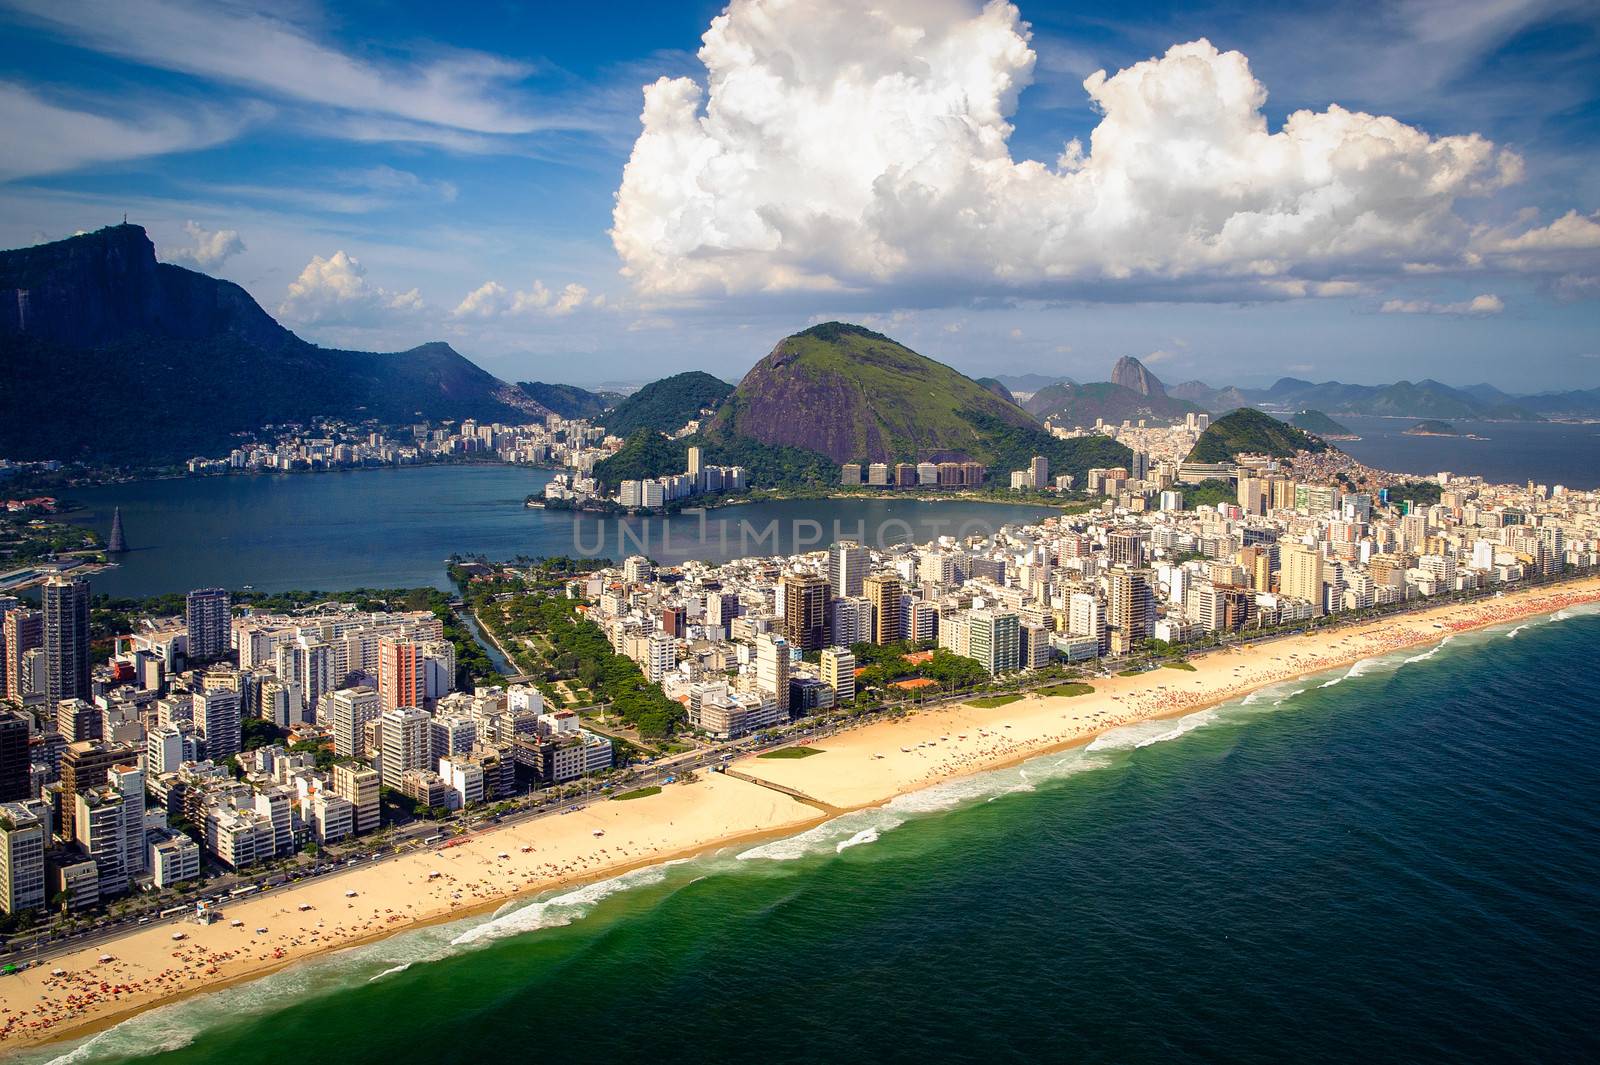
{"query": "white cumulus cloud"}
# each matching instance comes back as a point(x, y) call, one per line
point(335, 290)
point(842, 147)
point(1488, 303)
point(211, 248)
point(493, 300)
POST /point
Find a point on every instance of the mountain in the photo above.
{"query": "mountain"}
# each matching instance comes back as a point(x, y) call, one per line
point(1314, 421)
point(570, 401)
point(667, 405)
point(852, 395)
point(1254, 432)
point(1583, 403)
point(1029, 382)
point(1216, 400)
point(1079, 405)
point(1131, 374)
point(1403, 399)
point(109, 355)
point(994, 385)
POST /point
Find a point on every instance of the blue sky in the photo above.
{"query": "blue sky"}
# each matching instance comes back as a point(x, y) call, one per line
point(1362, 191)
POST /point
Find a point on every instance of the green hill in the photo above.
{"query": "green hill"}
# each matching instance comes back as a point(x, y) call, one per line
point(668, 404)
point(856, 395)
point(998, 388)
point(1253, 432)
point(1314, 421)
point(1433, 427)
point(570, 401)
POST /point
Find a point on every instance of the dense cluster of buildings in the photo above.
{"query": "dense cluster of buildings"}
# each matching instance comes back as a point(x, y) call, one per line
point(732, 641)
point(651, 493)
point(913, 474)
point(101, 765)
point(1160, 442)
point(553, 441)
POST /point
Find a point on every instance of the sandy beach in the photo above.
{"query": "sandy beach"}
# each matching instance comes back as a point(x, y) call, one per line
point(858, 768)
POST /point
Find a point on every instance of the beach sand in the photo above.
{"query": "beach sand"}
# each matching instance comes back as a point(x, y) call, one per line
point(860, 767)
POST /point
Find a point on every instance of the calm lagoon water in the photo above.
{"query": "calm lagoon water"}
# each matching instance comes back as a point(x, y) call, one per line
point(395, 527)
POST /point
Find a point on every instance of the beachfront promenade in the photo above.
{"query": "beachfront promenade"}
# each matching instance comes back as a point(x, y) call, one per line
point(860, 766)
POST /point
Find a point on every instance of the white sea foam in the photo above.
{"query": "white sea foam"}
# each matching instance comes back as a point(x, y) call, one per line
point(393, 970)
point(1146, 733)
point(866, 835)
point(1430, 652)
point(561, 909)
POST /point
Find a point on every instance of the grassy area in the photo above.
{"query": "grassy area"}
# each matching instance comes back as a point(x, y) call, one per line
point(1130, 672)
point(992, 701)
point(637, 793)
point(1185, 666)
point(1072, 687)
point(790, 752)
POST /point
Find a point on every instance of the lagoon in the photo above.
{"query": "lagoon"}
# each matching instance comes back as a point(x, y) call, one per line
point(391, 528)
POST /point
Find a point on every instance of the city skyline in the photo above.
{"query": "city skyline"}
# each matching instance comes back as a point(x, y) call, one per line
point(485, 179)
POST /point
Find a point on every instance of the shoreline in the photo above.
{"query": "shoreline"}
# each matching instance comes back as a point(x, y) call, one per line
point(860, 768)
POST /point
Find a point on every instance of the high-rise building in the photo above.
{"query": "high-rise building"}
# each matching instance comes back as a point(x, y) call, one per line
point(838, 670)
point(66, 638)
point(847, 568)
point(401, 674)
point(84, 766)
point(1300, 575)
point(14, 771)
point(349, 710)
point(805, 610)
point(662, 657)
point(407, 742)
point(1086, 616)
point(209, 614)
point(358, 785)
point(772, 670)
point(218, 719)
point(22, 843)
point(1039, 473)
point(883, 590)
point(24, 631)
point(994, 638)
point(1130, 606)
point(1125, 548)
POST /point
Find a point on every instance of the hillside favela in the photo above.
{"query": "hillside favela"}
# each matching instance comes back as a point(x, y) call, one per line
point(793, 531)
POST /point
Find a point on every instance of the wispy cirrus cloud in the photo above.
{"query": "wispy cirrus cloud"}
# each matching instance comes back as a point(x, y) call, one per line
point(257, 50)
point(65, 134)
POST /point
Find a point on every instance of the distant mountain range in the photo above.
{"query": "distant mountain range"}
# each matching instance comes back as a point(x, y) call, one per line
point(1029, 383)
point(1403, 399)
point(1132, 393)
point(108, 355)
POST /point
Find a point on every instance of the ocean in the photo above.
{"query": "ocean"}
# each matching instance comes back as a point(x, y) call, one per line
point(1392, 862)
point(392, 528)
point(1510, 452)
